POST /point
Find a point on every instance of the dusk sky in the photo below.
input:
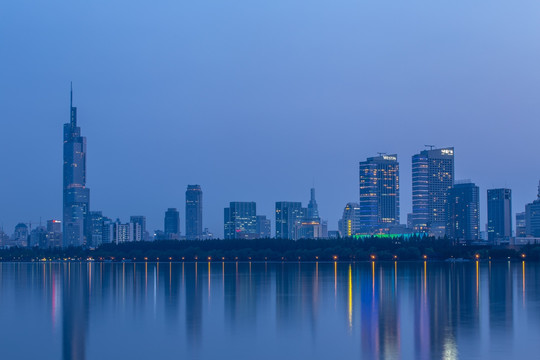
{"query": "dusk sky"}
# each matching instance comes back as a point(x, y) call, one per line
point(259, 100)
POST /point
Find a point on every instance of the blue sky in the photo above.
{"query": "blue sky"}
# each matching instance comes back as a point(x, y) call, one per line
point(258, 100)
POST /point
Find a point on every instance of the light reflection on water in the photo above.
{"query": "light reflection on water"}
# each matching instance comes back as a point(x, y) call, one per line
point(372, 310)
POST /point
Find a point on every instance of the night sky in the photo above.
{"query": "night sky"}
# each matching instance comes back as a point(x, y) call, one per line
point(259, 100)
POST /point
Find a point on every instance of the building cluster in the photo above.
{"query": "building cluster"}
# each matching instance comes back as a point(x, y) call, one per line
point(441, 207)
point(292, 221)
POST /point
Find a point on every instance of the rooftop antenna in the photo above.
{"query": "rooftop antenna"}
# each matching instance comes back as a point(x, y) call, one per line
point(381, 153)
point(430, 146)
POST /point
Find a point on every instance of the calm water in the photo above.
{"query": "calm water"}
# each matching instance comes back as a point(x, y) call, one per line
point(270, 311)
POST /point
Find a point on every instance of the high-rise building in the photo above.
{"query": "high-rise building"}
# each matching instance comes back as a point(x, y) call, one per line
point(240, 220)
point(499, 225)
point(432, 177)
point(95, 237)
point(54, 233)
point(532, 217)
point(194, 215)
point(288, 216)
point(116, 232)
point(38, 237)
point(172, 224)
point(463, 212)
point(310, 225)
point(76, 196)
point(521, 224)
point(379, 193)
point(312, 211)
point(349, 224)
point(139, 232)
point(263, 227)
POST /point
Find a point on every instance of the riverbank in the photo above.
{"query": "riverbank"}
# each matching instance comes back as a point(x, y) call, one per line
point(424, 248)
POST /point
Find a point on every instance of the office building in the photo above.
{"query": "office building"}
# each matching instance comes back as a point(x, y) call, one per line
point(379, 193)
point(499, 206)
point(288, 216)
point(263, 227)
point(532, 217)
point(54, 233)
point(95, 237)
point(312, 211)
point(240, 221)
point(76, 196)
point(349, 224)
point(38, 237)
point(521, 224)
point(194, 215)
point(463, 212)
point(172, 224)
point(432, 178)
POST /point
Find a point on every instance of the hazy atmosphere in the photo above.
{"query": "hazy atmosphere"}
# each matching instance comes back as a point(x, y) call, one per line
point(259, 100)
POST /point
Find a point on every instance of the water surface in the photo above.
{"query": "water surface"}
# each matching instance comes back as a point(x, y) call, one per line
point(380, 310)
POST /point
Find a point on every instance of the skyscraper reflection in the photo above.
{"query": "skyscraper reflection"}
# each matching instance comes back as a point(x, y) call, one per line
point(75, 304)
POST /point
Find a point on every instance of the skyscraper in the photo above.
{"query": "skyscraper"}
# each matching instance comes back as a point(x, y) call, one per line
point(263, 227)
point(521, 224)
point(54, 233)
point(194, 217)
point(349, 224)
point(463, 212)
point(172, 224)
point(76, 196)
point(313, 208)
point(240, 220)
point(288, 216)
point(379, 193)
point(310, 225)
point(532, 217)
point(499, 225)
point(432, 177)
point(95, 238)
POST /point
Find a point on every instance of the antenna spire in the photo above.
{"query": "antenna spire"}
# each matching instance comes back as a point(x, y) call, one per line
point(71, 94)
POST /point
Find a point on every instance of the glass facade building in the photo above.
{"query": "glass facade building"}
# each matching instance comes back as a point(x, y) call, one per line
point(432, 177)
point(171, 226)
point(240, 221)
point(76, 196)
point(379, 193)
point(463, 212)
point(349, 224)
point(194, 216)
point(289, 214)
point(499, 207)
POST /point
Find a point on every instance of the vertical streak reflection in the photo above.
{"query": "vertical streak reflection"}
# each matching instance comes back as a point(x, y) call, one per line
point(477, 285)
point(523, 285)
point(350, 298)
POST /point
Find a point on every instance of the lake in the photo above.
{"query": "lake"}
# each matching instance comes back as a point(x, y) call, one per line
point(363, 310)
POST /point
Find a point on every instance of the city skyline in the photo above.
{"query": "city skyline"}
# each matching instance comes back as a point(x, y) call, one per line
point(297, 101)
point(382, 169)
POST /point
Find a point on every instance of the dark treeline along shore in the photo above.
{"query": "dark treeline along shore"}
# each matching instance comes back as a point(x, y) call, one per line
point(347, 249)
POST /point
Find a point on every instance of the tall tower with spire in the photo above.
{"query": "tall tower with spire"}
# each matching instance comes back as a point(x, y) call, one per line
point(76, 196)
point(313, 209)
